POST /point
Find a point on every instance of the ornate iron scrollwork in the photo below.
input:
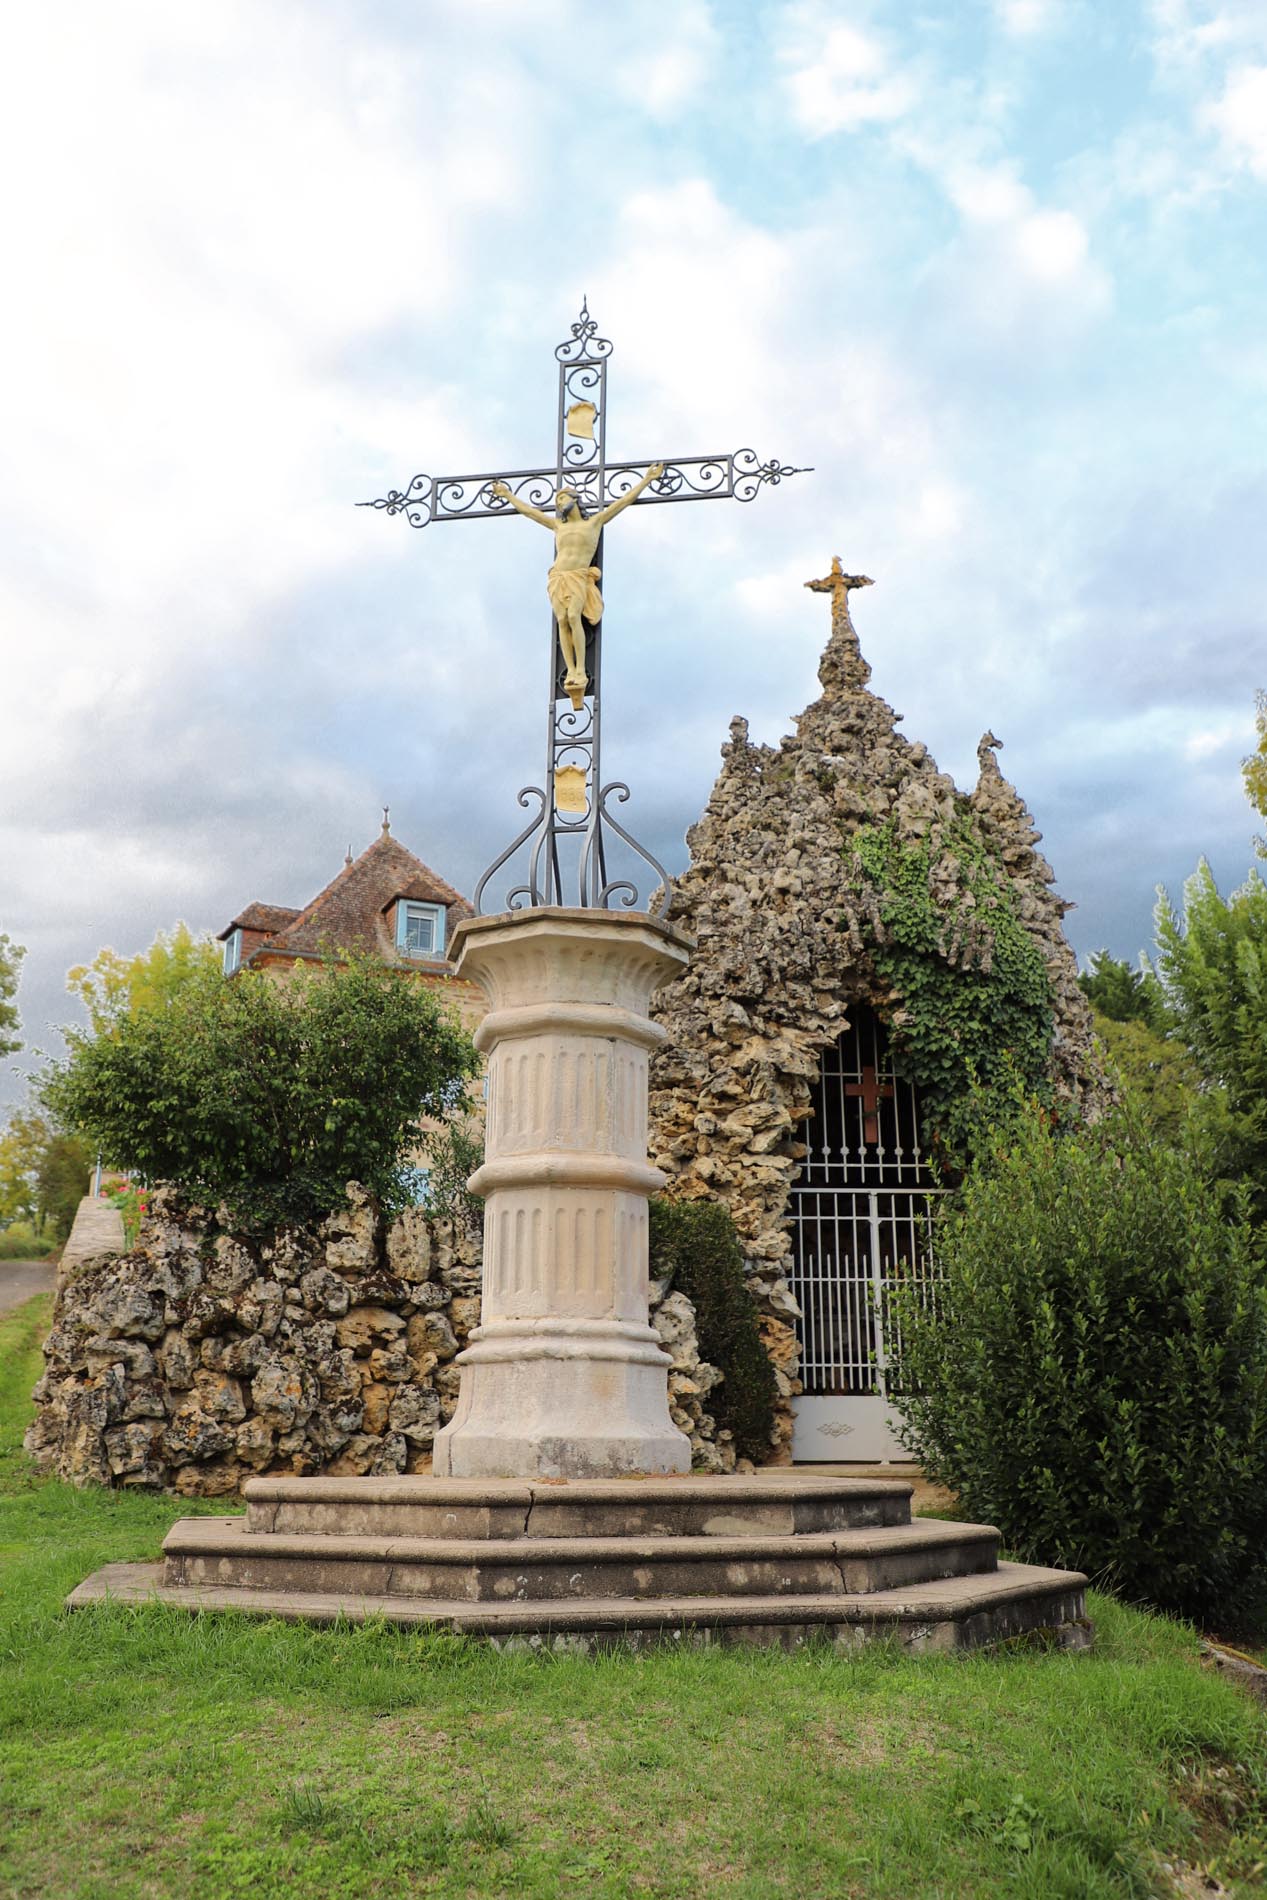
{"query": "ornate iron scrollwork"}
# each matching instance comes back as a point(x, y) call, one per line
point(573, 761)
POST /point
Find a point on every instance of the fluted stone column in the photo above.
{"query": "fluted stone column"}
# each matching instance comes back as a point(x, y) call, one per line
point(564, 1377)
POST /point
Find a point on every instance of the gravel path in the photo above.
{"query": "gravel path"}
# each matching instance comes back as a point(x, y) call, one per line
point(22, 1279)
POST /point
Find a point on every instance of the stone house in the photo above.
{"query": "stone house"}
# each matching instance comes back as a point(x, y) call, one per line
point(386, 903)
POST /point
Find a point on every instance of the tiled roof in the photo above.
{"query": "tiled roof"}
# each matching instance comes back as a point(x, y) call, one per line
point(268, 917)
point(350, 913)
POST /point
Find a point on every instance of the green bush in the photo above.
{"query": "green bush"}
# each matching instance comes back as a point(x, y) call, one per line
point(20, 1241)
point(270, 1096)
point(454, 1151)
point(1094, 1380)
point(694, 1245)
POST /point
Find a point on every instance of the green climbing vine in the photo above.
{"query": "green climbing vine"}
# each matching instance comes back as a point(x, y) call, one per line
point(971, 1010)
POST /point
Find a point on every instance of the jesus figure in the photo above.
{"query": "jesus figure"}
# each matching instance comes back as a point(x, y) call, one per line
point(572, 582)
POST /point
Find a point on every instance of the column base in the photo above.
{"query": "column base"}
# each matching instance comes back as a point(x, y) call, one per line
point(562, 1399)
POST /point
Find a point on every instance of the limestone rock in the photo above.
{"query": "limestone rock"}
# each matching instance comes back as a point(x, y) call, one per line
point(365, 1327)
point(219, 1396)
point(324, 1292)
point(351, 1234)
point(431, 1333)
point(782, 957)
point(192, 1436)
point(284, 1392)
point(158, 1374)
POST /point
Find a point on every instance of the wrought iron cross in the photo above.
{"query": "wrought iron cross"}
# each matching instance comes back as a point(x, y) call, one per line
point(574, 800)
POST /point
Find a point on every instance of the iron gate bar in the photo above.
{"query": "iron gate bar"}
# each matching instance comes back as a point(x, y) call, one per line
point(862, 1218)
point(853, 1246)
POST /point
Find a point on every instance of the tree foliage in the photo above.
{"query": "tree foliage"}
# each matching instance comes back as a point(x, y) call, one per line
point(1094, 1381)
point(1254, 768)
point(1156, 1073)
point(1213, 962)
point(25, 1137)
point(62, 1180)
point(267, 1096)
point(112, 988)
point(972, 1012)
point(1122, 994)
point(11, 955)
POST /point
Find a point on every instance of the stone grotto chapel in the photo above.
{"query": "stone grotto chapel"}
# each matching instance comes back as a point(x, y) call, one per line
point(783, 1090)
point(780, 1091)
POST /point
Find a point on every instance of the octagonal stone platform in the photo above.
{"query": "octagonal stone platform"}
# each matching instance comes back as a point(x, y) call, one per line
point(583, 1563)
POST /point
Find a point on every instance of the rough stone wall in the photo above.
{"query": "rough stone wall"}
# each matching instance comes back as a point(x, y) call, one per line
point(200, 1358)
point(781, 956)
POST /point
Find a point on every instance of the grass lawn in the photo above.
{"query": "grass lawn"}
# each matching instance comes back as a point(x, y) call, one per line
point(146, 1752)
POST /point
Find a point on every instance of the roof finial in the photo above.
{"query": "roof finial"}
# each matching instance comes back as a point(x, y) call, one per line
point(387, 823)
point(347, 862)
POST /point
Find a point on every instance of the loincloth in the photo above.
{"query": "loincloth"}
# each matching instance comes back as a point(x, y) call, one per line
point(573, 589)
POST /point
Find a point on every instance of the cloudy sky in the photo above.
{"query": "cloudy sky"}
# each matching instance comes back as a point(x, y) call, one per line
point(996, 268)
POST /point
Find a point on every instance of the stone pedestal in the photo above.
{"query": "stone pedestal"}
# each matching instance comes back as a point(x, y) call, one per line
point(564, 1377)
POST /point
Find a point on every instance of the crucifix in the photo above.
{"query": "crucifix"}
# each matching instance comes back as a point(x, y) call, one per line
point(575, 497)
point(871, 1092)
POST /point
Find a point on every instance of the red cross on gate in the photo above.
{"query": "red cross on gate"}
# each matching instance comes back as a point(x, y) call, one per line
point(871, 1094)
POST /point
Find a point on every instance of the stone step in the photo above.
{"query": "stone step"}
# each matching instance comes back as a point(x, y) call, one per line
point(784, 1506)
point(952, 1613)
point(208, 1550)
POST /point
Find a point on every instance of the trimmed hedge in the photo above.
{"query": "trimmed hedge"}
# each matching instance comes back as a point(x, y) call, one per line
point(1094, 1377)
point(694, 1245)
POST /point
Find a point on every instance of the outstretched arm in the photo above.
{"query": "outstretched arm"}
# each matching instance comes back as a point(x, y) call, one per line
point(653, 474)
point(534, 514)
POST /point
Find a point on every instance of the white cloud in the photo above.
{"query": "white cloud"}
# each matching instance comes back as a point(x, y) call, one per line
point(1023, 18)
point(1016, 269)
point(1232, 735)
point(1239, 115)
point(228, 199)
point(841, 77)
point(1052, 245)
point(1189, 33)
point(986, 194)
point(666, 72)
point(939, 512)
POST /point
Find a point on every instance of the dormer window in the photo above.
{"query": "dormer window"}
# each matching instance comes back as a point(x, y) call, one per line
point(232, 952)
point(419, 929)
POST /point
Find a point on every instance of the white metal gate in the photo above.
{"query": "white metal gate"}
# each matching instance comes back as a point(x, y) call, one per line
point(862, 1223)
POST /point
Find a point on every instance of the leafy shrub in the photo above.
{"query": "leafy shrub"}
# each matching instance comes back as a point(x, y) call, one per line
point(694, 1245)
point(1095, 1379)
point(270, 1096)
point(454, 1151)
point(19, 1241)
point(1213, 962)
